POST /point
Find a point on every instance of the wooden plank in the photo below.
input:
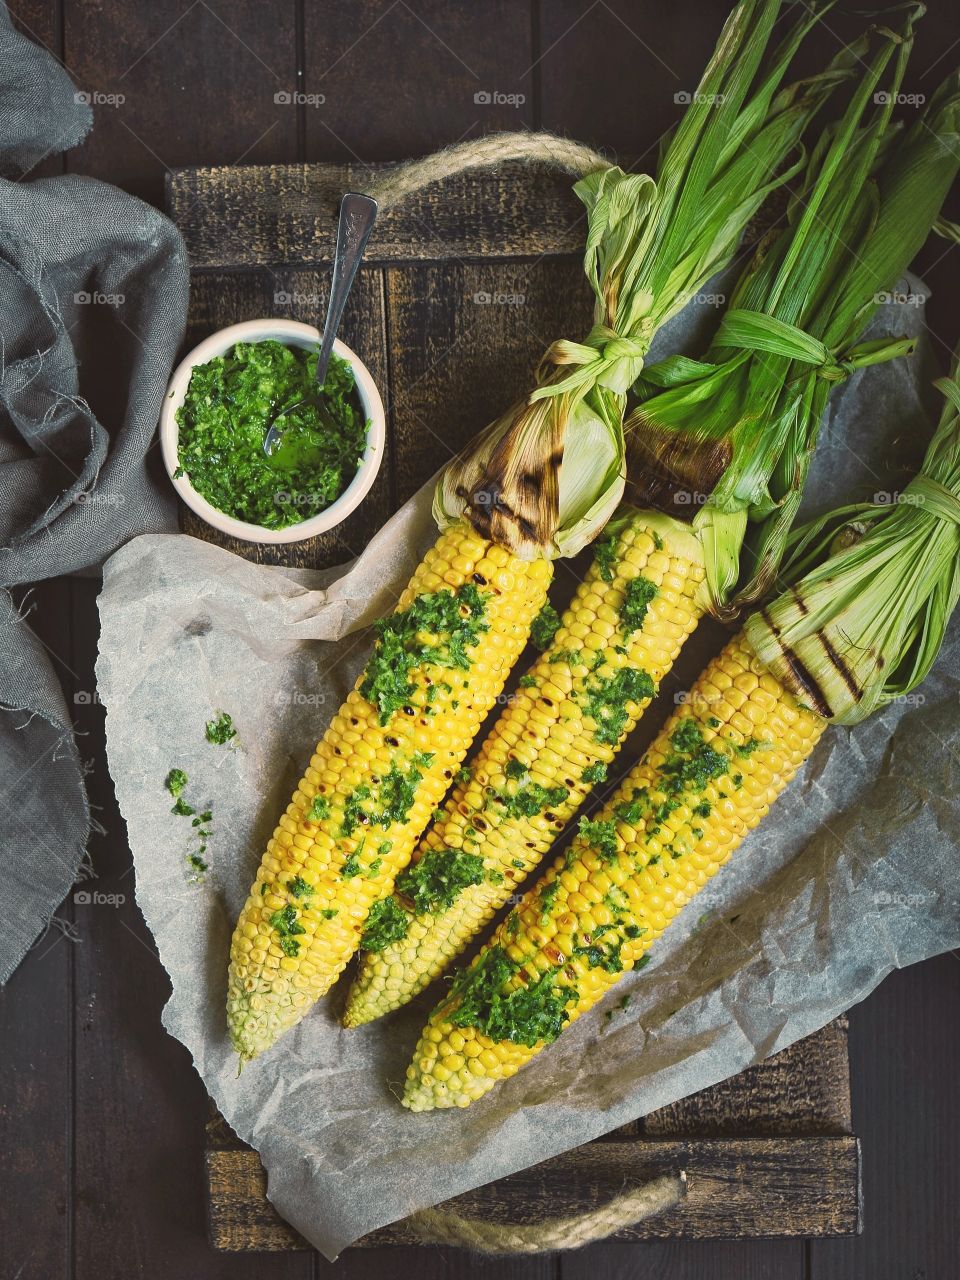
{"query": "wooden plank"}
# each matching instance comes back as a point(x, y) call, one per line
point(802, 1090)
point(609, 75)
point(220, 299)
point(181, 83)
point(36, 1062)
point(688, 1260)
point(249, 216)
point(736, 1188)
point(905, 1046)
point(464, 342)
point(424, 65)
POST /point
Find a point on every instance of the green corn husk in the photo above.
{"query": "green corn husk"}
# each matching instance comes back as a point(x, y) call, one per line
point(872, 589)
point(543, 479)
point(726, 442)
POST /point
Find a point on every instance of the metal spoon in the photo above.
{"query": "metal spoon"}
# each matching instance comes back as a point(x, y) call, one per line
point(357, 216)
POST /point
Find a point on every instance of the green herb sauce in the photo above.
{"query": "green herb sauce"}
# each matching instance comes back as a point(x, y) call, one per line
point(229, 405)
point(605, 701)
point(528, 1015)
point(455, 619)
point(387, 923)
point(545, 626)
point(639, 594)
point(435, 882)
point(605, 558)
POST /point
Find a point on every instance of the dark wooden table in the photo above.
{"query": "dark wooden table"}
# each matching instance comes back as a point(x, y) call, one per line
point(102, 1114)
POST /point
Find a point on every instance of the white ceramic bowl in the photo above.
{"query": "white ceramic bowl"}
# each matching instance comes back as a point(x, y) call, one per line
point(294, 334)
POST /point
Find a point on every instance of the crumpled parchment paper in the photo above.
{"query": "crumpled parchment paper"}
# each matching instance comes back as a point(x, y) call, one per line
point(854, 873)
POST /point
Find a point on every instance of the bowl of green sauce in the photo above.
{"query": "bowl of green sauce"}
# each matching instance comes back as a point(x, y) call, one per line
point(220, 403)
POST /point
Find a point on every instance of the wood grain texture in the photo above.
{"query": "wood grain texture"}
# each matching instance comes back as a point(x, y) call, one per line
point(802, 1090)
point(465, 340)
point(906, 1046)
point(198, 82)
point(251, 215)
point(736, 1188)
point(36, 1058)
point(419, 69)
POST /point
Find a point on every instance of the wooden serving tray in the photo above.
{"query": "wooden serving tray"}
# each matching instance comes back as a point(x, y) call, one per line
point(462, 290)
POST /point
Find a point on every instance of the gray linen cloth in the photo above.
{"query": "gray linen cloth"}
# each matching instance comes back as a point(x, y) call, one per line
point(93, 300)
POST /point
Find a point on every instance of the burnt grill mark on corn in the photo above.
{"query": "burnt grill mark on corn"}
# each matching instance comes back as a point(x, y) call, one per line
point(803, 677)
point(846, 675)
point(800, 602)
point(672, 473)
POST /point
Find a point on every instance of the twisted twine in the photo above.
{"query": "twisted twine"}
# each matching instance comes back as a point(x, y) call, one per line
point(528, 148)
point(439, 1226)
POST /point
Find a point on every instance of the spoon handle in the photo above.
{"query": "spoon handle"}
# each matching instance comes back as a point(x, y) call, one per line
point(357, 216)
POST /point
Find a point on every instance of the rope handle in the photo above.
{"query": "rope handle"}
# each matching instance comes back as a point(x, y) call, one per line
point(440, 1226)
point(545, 149)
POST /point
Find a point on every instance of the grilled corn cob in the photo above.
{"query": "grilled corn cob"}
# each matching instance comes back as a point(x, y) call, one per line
point(539, 483)
point(724, 443)
point(870, 593)
point(640, 600)
point(707, 780)
point(383, 765)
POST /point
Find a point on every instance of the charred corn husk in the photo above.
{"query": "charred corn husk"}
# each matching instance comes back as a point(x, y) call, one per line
point(376, 776)
point(640, 600)
point(706, 781)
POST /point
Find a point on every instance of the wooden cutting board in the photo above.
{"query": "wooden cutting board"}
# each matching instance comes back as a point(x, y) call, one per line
point(462, 290)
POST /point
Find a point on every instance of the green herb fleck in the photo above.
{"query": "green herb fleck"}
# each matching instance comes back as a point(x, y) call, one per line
point(386, 924)
point(527, 682)
point(605, 557)
point(570, 656)
point(452, 623)
point(221, 730)
point(182, 809)
point(530, 799)
point(601, 836)
point(639, 594)
point(527, 1015)
point(288, 928)
point(319, 809)
point(544, 627)
point(299, 888)
point(435, 882)
point(606, 701)
point(636, 808)
point(329, 912)
point(353, 811)
point(351, 866)
point(595, 773)
point(176, 782)
point(548, 895)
